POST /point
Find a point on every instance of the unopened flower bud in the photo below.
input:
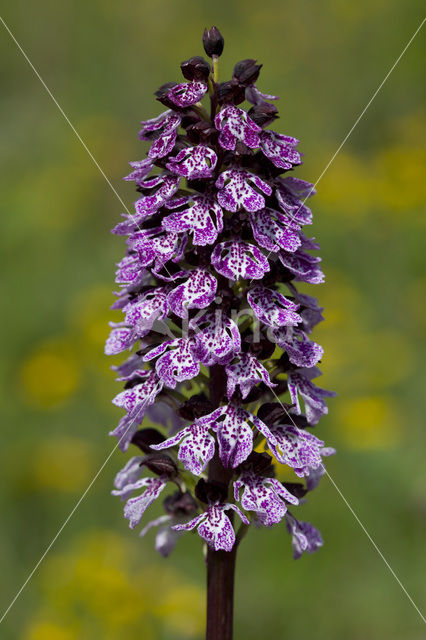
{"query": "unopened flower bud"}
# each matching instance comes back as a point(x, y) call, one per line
point(195, 407)
point(247, 71)
point(263, 114)
point(144, 438)
point(209, 492)
point(180, 504)
point(195, 69)
point(213, 42)
point(161, 464)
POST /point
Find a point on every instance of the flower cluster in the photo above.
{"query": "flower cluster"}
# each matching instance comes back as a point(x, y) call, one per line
point(212, 314)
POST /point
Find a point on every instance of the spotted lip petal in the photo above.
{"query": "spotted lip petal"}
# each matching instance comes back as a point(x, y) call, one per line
point(142, 312)
point(217, 338)
point(304, 266)
point(235, 259)
point(156, 247)
point(214, 526)
point(272, 232)
point(136, 401)
point(136, 507)
point(197, 292)
point(163, 131)
point(177, 364)
point(236, 192)
point(289, 199)
point(120, 339)
point(246, 372)
point(196, 448)
point(280, 149)
point(234, 428)
point(186, 94)
point(272, 308)
point(203, 218)
point(194, 162)
point(300, 350)
point(297, 448)
point(141, 169)
point(235, 125)
point(167, 187)
point(305, 538)
point(315, 407)
point(264, 497)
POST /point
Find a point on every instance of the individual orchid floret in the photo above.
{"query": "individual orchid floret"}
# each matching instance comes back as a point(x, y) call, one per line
point(141, 169)
point(272, 308)
point(156, 247)
point(204, 218)
point(214, 526)
point(120, 339)
point(135, 507)
point(163, 132)
point(136, 401)
point(234, 428)
point(186, 94)
point(217, 338)
point(267, 497)
point(128, 475)
point(299, 383)
point(235, 260)
point(177, 364)
point(305, 538)
point(303, 266)
point(197, 292)
point(246, 372)
point(297, 448)
point(289, 199)
point(167, 186)
point(194, 162)
point(280, 149)
point(196, 447)
point(143, 311)
point(130, 271)
point(300, 350)
point(235, 125)
point(272, 232)
point(236, 192)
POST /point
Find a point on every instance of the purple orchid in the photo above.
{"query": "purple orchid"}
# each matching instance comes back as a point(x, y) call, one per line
point(216, 326)
point(235, 190)
point(204, 218)
point(234, 124)
point(162, 131)
point(194, 162)
point(305, 538)
point(214, 526)
point(267, 497)
point(235, 260)
point(272, 308)
point(246, 372)
point(197, 292)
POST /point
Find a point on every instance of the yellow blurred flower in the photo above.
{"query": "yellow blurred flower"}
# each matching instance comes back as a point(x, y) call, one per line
point(93, 587)
point(50, 375)
point(44, 630)
point(62, 463)
point(370, 422)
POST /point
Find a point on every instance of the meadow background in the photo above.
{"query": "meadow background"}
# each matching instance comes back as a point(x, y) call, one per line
point(103, 61)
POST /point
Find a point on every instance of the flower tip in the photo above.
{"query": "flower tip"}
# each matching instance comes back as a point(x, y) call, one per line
point(213, 42)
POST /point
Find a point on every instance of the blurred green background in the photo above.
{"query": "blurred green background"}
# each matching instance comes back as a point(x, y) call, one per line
point(103, 61)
